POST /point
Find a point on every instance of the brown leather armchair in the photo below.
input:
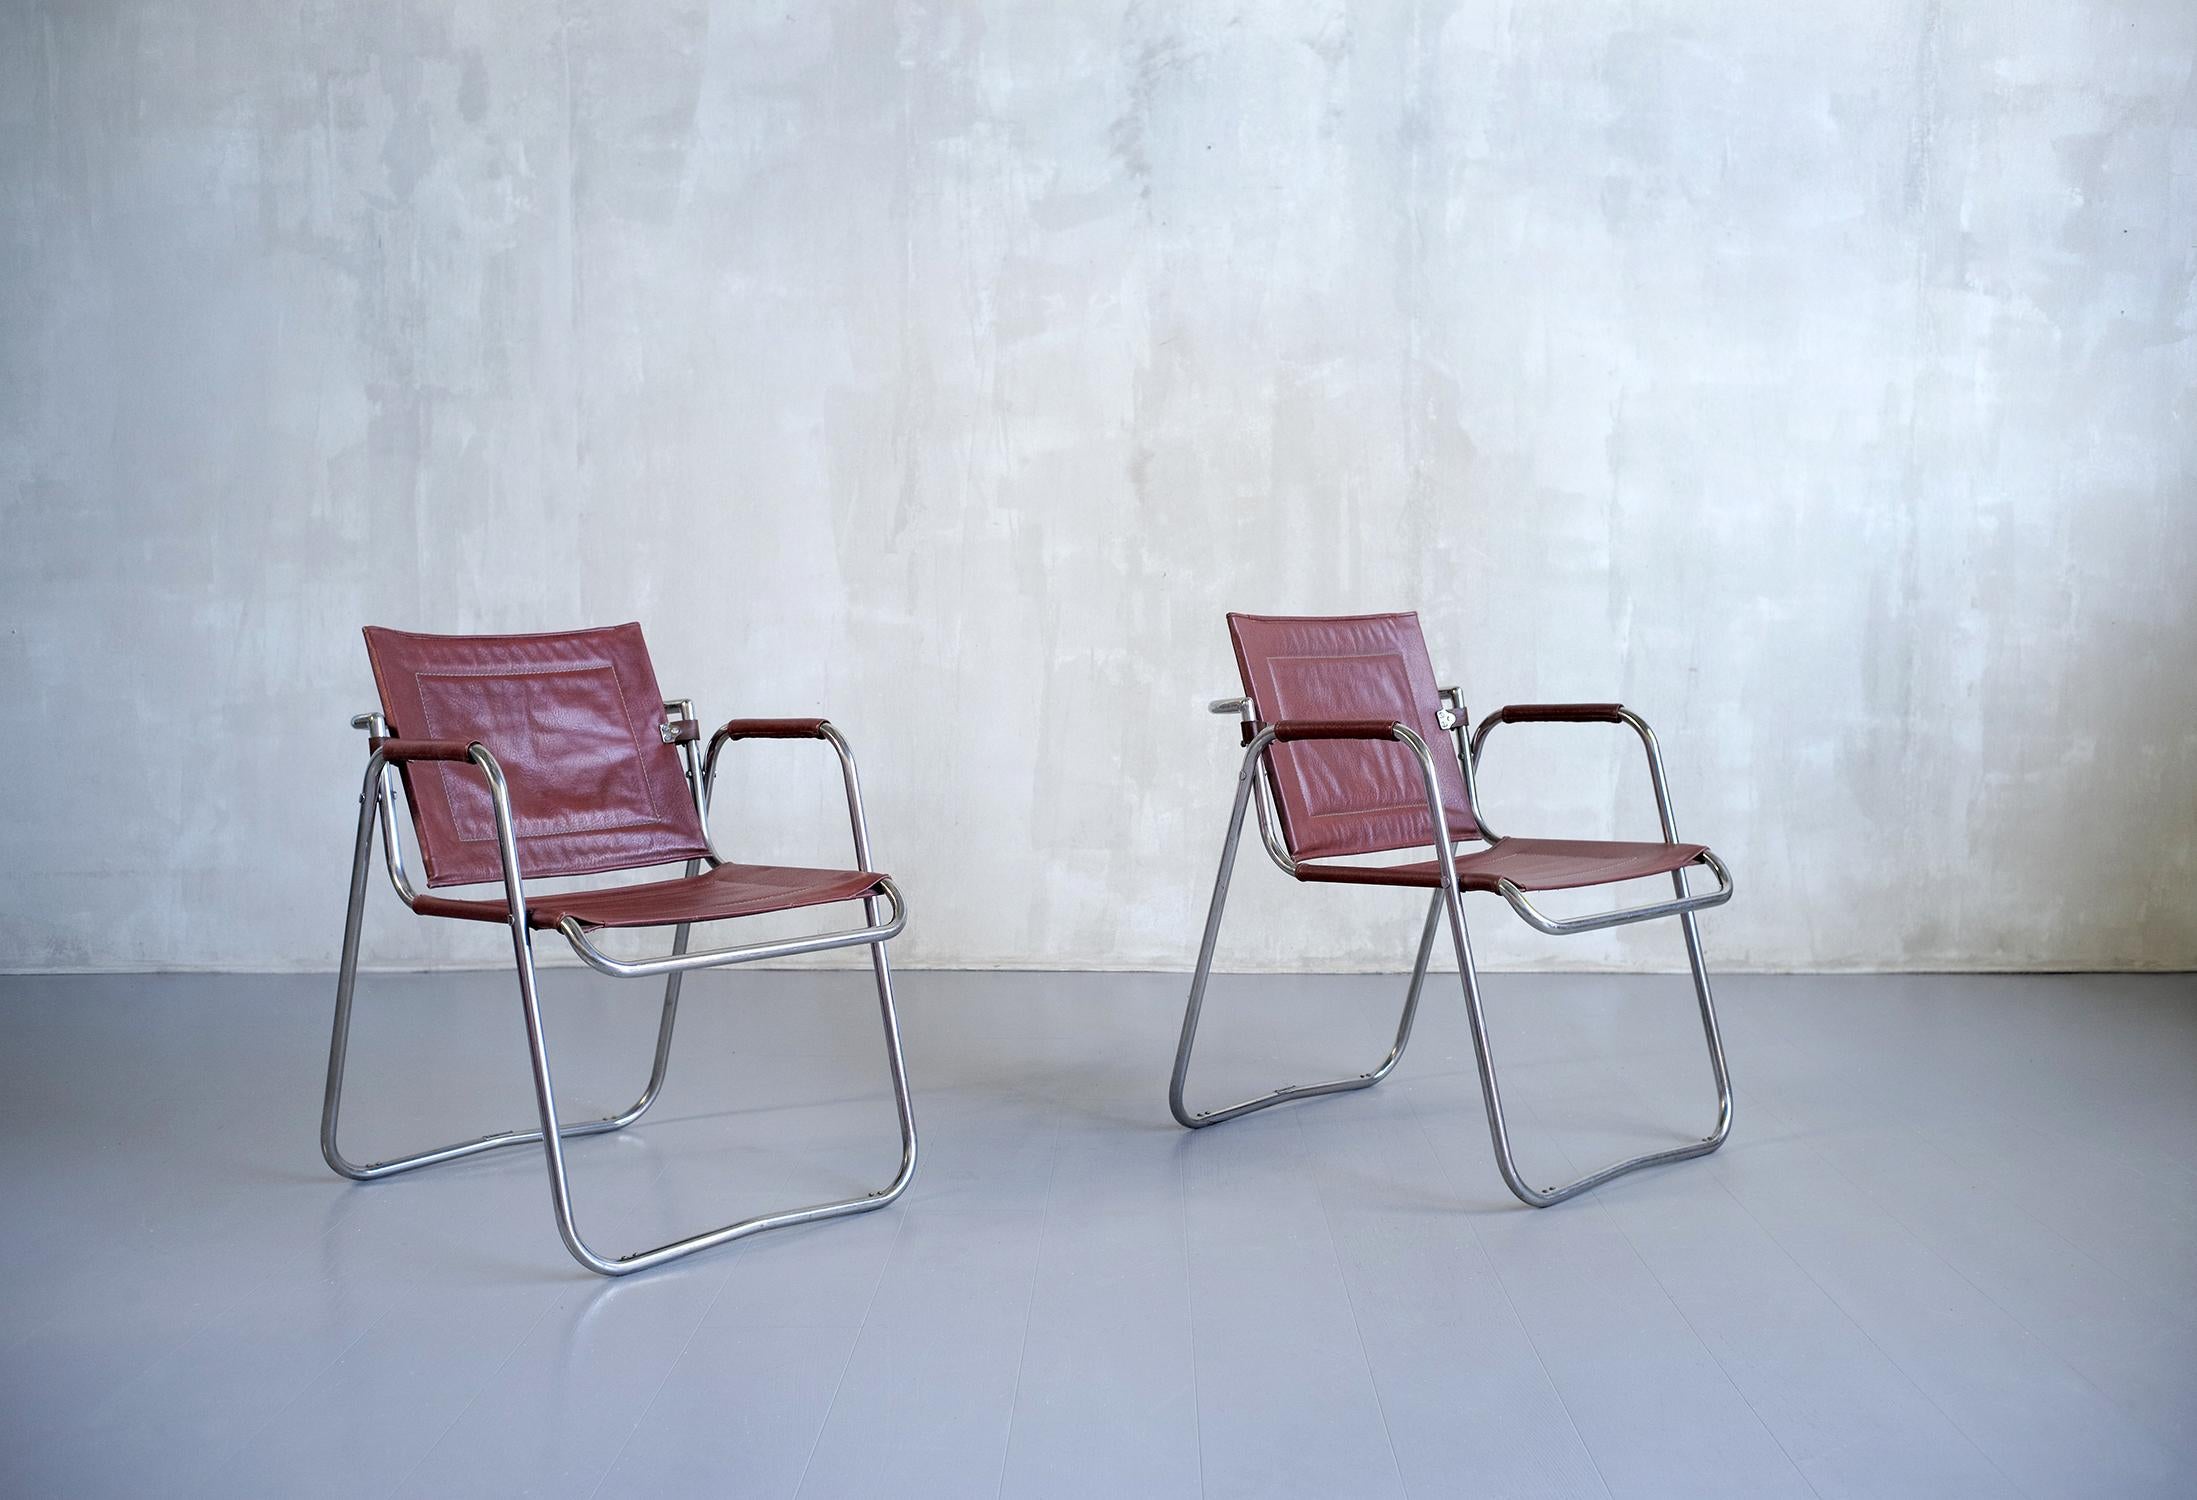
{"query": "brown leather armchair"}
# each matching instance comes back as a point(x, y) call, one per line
point(1351, 750)
point(526, 757)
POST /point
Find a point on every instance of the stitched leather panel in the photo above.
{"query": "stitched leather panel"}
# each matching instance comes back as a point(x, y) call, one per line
point(572, 717)
point(1350, 796)
point(568, 725)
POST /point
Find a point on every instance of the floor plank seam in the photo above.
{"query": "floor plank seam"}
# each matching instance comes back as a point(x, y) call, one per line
point(1357, 1325)
point(1495, 1278)
point(1926, 1248)
point(1029, 1306)
point(854, 1347)
point(640, 1420)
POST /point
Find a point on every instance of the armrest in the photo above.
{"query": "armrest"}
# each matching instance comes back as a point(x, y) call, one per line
point(1561, 713)
point(397, 752)
point(1259, 739)
point(793, 729)
point(377, 804)
point(1334, 729)
point(771, 729)
point(1576, 713)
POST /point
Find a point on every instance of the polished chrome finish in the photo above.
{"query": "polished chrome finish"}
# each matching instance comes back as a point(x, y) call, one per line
point(1451, 897)
point(1638, 725)
point(392, 842)
point(1252, 760)
point(1623, 916)
point(376, 803)
point(1459, 724)
point(1684, 904)
point(690, 760)
point(1263, 794)
point(371, 807)
point(682, 962)
point(858, 824)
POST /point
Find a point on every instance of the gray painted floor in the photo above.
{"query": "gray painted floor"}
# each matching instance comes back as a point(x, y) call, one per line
point(1949, 1250)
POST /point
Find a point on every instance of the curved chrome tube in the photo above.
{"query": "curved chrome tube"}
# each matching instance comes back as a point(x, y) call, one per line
point(376, 802)
point(1246, 780)
point(1596, 921)
point(1451, 897)
point(680, 963)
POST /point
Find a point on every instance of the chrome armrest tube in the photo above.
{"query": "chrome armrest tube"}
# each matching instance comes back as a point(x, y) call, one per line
point(1648, 744)
point(850, 779)
point(1684, 904)
point(385, 802)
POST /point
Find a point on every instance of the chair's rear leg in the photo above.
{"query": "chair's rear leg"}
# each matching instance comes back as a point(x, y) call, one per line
point(1188, 1040)
point(662, 1063)
point(1411, 996)
point(339, 1046)
point(1492, 1098)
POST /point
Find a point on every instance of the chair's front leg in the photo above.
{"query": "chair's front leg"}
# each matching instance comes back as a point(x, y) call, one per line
point(903, 1102)
point(347, 973)
point(1214, 911)
point(560, 1185)
point(537, 1045)
point(1484, 1057)
point(1710, 1031)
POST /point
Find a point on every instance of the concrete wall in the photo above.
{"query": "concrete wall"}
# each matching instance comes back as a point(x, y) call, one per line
point(1819, 379)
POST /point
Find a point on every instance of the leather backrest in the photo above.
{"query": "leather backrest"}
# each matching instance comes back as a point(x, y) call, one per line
point(572, 717)
point(1350, 796)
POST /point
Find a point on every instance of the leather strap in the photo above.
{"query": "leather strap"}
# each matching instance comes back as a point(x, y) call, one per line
point(773, 729)
point(1335, 729)
point(1561, 713)
point(397, 752)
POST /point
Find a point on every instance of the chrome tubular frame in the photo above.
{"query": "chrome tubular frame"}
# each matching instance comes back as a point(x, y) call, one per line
point(1254, 779)
point(377, 803)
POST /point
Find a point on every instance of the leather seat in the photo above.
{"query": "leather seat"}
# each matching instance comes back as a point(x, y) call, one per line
point(730, 890)
point(1529, 864)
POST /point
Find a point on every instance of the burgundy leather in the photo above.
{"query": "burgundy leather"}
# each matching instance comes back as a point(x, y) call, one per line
point(712, 896)
point(397, 752)
point(772, 729)
point(1529, 864)
point(1561, 713)
point(572, 717)
point(683, 731)
point(1334, 729)
point(1350, 796)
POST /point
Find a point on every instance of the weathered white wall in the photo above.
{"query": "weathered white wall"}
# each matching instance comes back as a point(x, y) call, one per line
point(1819, 379)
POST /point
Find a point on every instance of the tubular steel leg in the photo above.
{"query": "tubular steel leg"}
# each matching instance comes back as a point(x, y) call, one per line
point(560, 1188)
point(1175, 1103)
point(339, 1047)
point(1543, 1198)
